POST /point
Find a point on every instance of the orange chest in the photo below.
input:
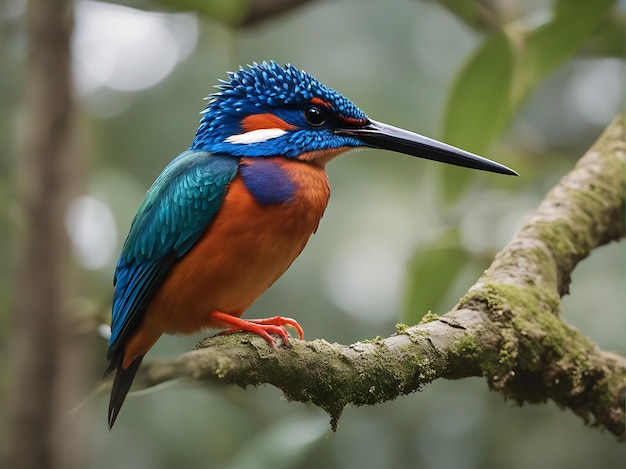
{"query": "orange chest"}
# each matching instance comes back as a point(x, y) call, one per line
point(291, 193)
point(248, 245)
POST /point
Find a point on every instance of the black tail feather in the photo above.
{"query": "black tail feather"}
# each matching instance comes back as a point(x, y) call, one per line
point(121, 384)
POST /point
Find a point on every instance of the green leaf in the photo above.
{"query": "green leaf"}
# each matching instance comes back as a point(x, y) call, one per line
point(551, 44)
point(479, 101)
point(431, 273)
point(478, 107)
point(609, 40)
point(497, 78)
point(494, 82)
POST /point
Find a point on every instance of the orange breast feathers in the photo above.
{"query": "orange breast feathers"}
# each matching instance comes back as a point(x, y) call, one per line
point(246, 248)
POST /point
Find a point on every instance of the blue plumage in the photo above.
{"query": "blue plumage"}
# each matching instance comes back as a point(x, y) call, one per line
point(177, 209)
point(284, 92)
point(271, 84)
point(267, 182)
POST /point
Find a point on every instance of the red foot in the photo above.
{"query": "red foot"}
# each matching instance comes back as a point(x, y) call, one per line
point(262, 327)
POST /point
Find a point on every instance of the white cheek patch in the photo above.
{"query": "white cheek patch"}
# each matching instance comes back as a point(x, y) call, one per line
point(255, 136)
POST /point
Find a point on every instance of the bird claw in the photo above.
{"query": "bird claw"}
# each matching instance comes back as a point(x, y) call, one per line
point(263, 327)
point(281, 322)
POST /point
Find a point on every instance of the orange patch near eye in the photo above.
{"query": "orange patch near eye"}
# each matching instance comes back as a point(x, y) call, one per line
point(264, 121)
point(352, 121)
point(320, 102)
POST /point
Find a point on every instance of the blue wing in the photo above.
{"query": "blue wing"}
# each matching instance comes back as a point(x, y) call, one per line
point(176, 211)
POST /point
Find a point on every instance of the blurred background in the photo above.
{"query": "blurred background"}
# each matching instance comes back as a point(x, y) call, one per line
point(530, 84)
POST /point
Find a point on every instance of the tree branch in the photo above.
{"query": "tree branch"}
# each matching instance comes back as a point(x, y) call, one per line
point(507, 328)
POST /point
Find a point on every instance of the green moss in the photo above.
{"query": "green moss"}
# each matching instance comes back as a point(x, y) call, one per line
point(466, 357)
point(427, 372)
point(467, 347)
point(487, 294)
point(378, 340)
point(528, 303)
point(402, 328)
point(494, 301)
point(552, 235)
point(508, 352)
point(581, 366)
point(429, 317)
point(532, 336)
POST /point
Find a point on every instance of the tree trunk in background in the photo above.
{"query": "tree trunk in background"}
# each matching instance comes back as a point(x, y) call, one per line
point(41, 290)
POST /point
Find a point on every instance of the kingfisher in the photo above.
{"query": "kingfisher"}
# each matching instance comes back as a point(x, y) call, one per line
point(228, 216)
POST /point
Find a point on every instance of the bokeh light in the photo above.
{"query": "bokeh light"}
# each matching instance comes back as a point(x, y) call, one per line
point(365, 279)
point(126, 49)
point(93, 232)
point(596, 89)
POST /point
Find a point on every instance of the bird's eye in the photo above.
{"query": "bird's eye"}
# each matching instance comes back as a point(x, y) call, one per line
point(315, 116)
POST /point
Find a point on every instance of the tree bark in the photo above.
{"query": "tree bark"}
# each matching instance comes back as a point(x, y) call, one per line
point(41, 288)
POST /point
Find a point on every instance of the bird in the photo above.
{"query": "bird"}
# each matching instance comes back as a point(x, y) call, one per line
point(227, 217)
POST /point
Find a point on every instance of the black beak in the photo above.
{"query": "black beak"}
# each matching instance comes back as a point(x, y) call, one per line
point(379, 135)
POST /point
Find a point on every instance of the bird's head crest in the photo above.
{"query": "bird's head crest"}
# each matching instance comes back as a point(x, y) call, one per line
point(274, 85)
point(272, 110)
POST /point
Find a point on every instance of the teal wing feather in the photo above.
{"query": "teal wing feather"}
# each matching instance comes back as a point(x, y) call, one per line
point(177, 209)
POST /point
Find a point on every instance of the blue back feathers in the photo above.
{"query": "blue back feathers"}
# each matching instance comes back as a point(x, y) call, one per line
point(175, 212)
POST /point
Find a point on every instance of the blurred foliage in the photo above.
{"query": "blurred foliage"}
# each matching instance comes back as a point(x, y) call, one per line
point(230, 12)
point(529, 84)
point(478, 106)
point(508, 65)
point(444, 258)
point(234, 13)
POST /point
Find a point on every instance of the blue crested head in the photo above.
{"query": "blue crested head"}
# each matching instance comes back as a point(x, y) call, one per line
point(271, 110)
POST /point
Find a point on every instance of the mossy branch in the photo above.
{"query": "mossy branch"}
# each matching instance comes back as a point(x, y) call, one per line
point(507, 328)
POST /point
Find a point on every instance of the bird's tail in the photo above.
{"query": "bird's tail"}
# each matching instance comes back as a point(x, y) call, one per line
point(121, 383)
